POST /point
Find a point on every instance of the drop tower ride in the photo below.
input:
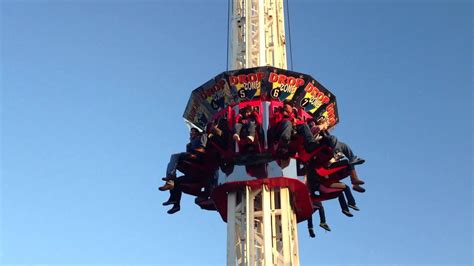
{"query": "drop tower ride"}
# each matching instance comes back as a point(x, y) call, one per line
point(260, 191)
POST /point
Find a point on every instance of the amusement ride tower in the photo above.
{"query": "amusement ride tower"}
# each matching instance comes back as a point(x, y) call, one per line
point(261, 221)
point(261, 185)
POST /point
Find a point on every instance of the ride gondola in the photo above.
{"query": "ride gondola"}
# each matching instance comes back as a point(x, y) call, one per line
point(213, 108)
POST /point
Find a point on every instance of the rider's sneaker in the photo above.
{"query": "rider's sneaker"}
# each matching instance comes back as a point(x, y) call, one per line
point(356, 160)
point(347, 213)
point(175, 208)
point(358, 188)
point(325, 226)
point(354, 207)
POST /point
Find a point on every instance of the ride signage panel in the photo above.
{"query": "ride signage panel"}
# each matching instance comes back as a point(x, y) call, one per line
point(260, 83)
point(216, 94)
point(282, 84)
point(247, 84)
point(196, 113)
point(329, 111)
point(312, 97)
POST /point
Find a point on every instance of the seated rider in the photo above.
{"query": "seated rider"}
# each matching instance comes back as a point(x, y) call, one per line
point(313, 181)
point(285, 121)
point(321, 134)
point(350, 203)
point(219, 133)
point(346, 199)
point(246, 125)
point(197, 143)
point(176, 191)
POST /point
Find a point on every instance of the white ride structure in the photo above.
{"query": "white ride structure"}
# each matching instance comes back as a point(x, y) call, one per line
point(256, 34)
point(261, 221)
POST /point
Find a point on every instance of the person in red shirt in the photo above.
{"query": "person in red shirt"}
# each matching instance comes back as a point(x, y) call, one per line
point(287, 121)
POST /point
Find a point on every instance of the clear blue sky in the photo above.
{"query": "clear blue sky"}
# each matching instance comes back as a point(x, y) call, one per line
point(92, 94)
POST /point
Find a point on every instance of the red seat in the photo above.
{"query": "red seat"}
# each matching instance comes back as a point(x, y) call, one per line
point(195, 189)
point(321, 155)
point(333, 168)
point(257, 145)
point(274, 106)
point(326, 193)
point(225, 154)
point(195, 168)
point(225, 149)
point(201, 169)
point(335, 172)
point(207, 204)
point(304, 115)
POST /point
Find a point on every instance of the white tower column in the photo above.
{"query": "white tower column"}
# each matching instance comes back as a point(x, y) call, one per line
point(261, 223)
point(256, 34)
point(261, 228)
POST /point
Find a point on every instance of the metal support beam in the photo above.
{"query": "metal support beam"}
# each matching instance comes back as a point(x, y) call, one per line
point(256, 34)
point(261, 222)
point(261, 227)
point(231, 229)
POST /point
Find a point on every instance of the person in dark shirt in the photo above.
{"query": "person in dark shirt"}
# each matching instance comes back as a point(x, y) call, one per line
point(321, 134)
point(320, 127)
point(246, 124)
point(286, 121)
point(196, 144)
point(313, 182)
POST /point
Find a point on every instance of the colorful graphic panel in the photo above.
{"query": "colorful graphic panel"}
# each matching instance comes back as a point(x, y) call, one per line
point(246, 84)
point(330, 112)
point(260, 83)
point(312, 97)
point(216, 94)
point(282, 84)
point(196, 112)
